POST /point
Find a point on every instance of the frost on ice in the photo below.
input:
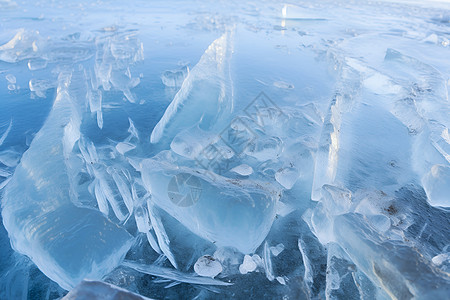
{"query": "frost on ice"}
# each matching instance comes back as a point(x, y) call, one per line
point(305, 154)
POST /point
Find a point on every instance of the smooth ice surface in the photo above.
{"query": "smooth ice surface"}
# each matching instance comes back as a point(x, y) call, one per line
point(100, 290)
point(259, 150)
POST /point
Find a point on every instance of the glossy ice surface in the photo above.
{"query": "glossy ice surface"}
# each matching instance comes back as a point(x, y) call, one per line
point(261, 150)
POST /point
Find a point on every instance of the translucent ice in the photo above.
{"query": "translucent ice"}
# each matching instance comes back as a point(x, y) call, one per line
point(5, 133)
point(207, 266)
point(236, 213)
point(436, 185)
point(175, 78)
point(66, 242)
point(206, 86)
point(98, 289)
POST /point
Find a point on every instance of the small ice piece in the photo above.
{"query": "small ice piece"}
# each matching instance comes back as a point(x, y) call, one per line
point(173, 274)
point(123, 148)
point(267, 260)
point(441, 258)
point(281, 280)
point(5, 134)
point(132, 129)
point(277, 249)
point(37, 64)
point(11, 87)
point(11, 78)
point(101, 198)
point(161, 235)
point(283, 85)
point(308, 275)
point(284, 209)
point(175, 78)
point(248, 265)
point(432, 38)
point(436, 185)
point(124, 191)
point(287, 177)
point(40, 86)
point(207, 266)
point(243, 170)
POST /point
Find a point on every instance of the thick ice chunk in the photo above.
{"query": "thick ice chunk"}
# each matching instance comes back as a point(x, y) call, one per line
point(400, 270)
point(235, 213)
point(437, 185)
point(66, 242)
point(205, 98)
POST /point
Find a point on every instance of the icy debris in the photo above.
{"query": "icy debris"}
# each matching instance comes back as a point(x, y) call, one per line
point(163, 239)
point(229, 258)
point(11, 78)
point(40, 86)
point(37, 64)
point(287, 177)
point(283, 85)
point(437, 185)
point(123, 148)
point(267, 262)
point(207, 266)
point(248, 265)
point(175, 78)
point(25, 44)
point(114, 56)
point(243, 170)
point(173, 274)
point(276, 250)
point(284, 209)
point(132, 130)
point(442, 261)
point(308, 274)
point(5, 134)
point(281, 280)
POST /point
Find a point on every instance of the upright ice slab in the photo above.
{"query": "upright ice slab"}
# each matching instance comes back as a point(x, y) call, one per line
point(205, 98)
point(66, 242)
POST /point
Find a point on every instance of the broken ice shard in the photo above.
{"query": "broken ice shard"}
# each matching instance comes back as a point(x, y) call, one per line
point(205, 98)
point(175, 78)
point(67, 243)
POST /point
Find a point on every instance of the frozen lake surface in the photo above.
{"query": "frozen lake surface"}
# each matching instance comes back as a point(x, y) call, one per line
point(225, 149)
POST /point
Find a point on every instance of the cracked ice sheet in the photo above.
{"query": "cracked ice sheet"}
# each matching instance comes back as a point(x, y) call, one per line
point(398, 93)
